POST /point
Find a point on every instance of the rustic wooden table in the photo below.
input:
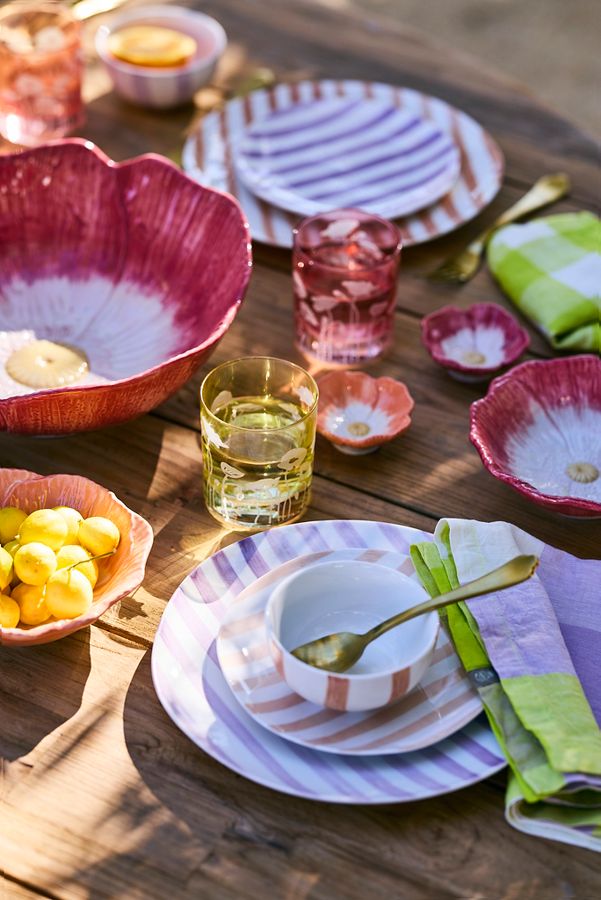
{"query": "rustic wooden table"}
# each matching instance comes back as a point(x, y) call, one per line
point(101, 795)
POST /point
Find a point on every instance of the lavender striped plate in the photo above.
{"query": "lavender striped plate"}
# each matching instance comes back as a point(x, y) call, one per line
point(191, 686)
point(443, 702)
point(208, 156)
point(343, 152)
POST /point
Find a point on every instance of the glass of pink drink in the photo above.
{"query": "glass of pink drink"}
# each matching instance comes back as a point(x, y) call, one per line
point(40, 72)
point(345, 265)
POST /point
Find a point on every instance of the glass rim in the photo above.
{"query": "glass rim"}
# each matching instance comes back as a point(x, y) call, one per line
point(241, 359)
point(64, 17)
point(387, 222)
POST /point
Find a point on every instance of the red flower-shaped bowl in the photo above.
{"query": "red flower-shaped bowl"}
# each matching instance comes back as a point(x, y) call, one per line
point(473, 343)
point(133, 263)
point(119, 574)
point(539, 430)
point(358, 413)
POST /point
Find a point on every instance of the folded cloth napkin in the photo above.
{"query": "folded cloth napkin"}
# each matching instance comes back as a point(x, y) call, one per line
point(534, 654)
point(551, 269)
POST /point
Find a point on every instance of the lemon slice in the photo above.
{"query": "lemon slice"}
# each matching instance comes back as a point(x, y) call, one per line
point(44, 364)
point(152, 45)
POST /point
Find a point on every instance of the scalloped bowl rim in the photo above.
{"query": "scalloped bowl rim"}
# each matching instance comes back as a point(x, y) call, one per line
point(372, 439)
point(588, 508)
point(447, 363)
point(50, 631)
point(214, 337)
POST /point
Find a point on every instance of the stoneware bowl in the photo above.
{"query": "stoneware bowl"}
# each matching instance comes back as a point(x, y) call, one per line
point(119, 574)
point(472, 344)
point(134, 264)
point(350, 596)
point(539, 430)
point(161, 88)
point(358, 413)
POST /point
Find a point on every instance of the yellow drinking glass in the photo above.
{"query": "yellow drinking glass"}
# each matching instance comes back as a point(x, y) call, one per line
point(258, 417)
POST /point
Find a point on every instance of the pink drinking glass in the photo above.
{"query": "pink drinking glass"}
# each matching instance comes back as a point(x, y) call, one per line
point(40, 72)
point(344, 267)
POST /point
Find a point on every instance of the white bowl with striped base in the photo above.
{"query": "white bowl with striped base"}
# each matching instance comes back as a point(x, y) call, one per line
point(191, 687)
point(332, 596)
point(444, 701)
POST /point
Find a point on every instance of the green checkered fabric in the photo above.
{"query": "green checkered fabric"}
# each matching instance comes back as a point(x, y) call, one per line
point(551, 269)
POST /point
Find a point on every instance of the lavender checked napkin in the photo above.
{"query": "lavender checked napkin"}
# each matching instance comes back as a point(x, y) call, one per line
point(534, 653)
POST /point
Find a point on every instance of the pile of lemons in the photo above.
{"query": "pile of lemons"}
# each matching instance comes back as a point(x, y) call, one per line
point(49, 563)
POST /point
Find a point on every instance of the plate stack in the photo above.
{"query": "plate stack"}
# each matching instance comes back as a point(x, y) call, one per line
point(296, 150)
point(214, 675)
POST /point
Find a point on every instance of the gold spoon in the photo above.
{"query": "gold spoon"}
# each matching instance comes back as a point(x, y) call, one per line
point(338, 652)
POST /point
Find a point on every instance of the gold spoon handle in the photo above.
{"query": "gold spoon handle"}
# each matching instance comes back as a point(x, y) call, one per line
point(546, 190)
point(513, 572)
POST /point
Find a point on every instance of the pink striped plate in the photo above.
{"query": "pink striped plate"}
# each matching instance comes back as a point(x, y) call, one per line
point(443, 703)
point(191, 686)
point(345, 153)
point(208, 156)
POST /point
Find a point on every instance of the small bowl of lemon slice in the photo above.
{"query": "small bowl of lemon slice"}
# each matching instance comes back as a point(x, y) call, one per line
point(159, 56)
point(69, 550)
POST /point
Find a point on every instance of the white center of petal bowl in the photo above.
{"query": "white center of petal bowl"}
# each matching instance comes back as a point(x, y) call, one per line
point(118, 329)
point(559, 453)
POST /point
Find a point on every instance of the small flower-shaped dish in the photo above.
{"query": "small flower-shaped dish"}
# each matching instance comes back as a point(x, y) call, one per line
point(121, 574)
point(539, 430)
point(358, 413)
point(473, 344)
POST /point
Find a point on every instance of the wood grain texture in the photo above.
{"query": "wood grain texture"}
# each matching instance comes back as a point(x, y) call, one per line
point(101, 796)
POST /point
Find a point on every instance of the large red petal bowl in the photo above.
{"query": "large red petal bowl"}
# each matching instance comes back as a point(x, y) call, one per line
point(539, 430)
point(120, 574)
point(133, 263)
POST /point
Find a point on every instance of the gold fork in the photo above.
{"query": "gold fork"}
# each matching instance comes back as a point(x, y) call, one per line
point(464, 265)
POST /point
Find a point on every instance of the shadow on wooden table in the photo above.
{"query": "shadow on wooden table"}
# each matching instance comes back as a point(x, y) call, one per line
point(40, 690)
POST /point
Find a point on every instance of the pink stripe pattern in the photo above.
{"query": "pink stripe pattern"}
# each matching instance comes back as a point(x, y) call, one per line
point(444, 702)
point(208, 155)
point(191, 686)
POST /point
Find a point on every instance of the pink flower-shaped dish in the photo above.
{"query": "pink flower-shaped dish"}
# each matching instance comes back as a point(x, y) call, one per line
point(539, 430)
point(135, 265)
point(473, 343)
point(120, 574)
point(358, 413)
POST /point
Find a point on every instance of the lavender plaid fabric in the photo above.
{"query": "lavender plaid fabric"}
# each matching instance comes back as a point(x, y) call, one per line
point(535, 655)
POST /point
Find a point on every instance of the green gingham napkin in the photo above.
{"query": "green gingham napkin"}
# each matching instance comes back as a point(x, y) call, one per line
point(534, 654)
point(551, 269)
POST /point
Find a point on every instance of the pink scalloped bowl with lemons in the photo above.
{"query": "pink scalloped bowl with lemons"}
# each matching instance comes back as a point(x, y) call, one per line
point(120, 574)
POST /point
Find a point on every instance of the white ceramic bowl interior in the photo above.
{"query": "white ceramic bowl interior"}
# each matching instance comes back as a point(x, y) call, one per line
point(351, 595)
point(162, 88)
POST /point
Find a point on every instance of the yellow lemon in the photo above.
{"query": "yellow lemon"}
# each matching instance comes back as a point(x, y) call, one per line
point(68, 594)
point(12, 548)
point(44, 526)
point(72, 518)
point(74, 553)
point(32, 603)
point(34, 563)
point(152, 45)
point(6, 568)
point(9, 612)
point(11, 519)
point(99, 535)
